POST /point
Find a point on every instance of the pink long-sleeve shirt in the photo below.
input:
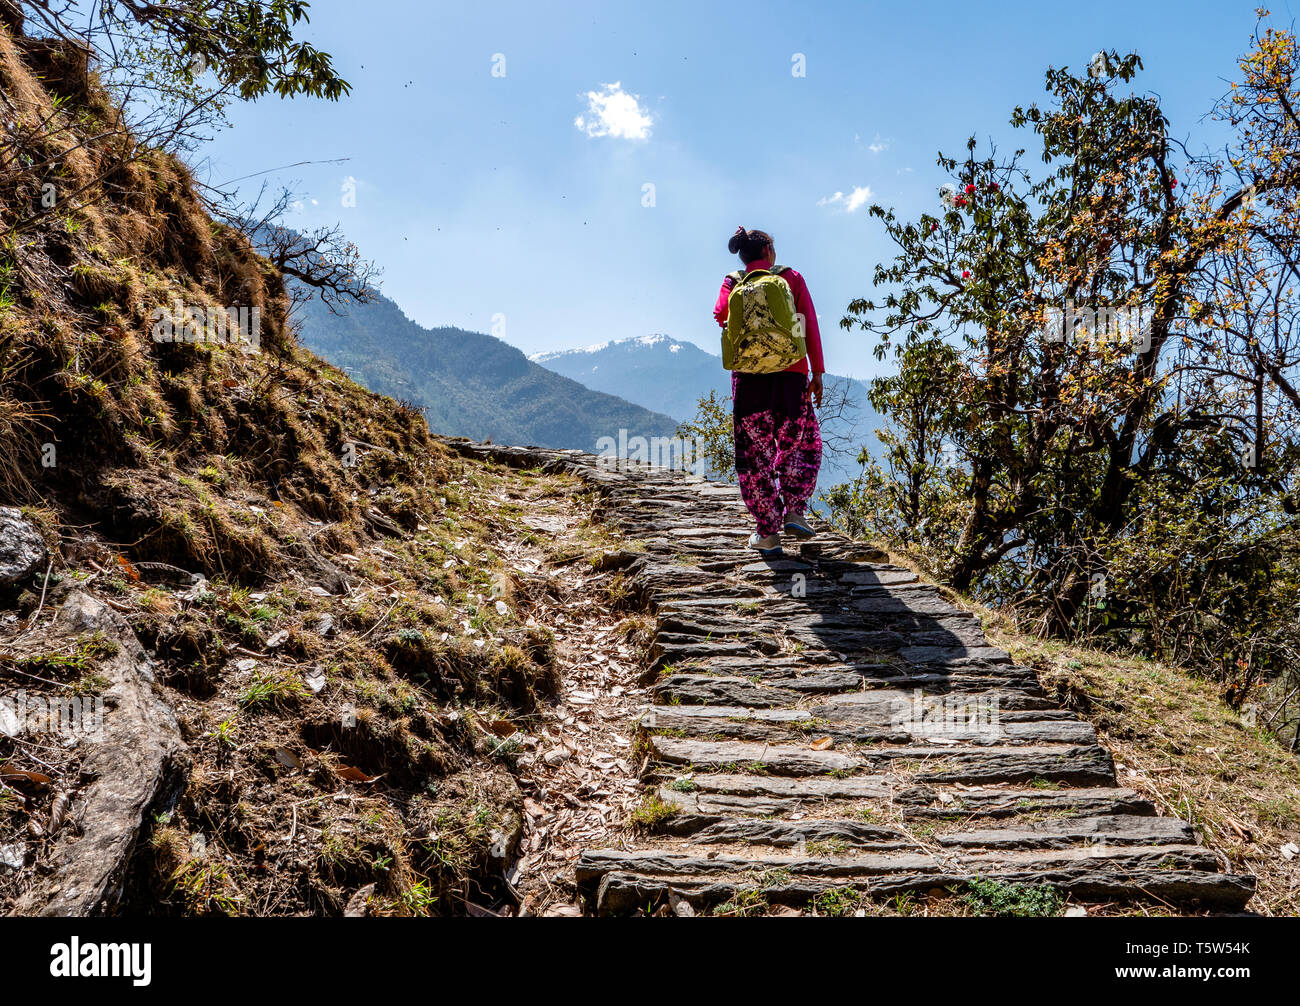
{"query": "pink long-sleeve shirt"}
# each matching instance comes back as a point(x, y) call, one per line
point(802, 303)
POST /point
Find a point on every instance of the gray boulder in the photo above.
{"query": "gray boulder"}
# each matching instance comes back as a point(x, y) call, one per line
point(22, 549)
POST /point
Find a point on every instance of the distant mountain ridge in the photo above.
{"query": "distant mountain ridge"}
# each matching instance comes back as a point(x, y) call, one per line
point(668, 375)
point(649, 368)
point(469, 384)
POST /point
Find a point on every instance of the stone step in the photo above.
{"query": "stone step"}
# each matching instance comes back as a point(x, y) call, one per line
point(870, 725)
point(920, 802)
point(784, 684)
point(858, 787)
point(701, 689)
point(748, 830)
point(823, 673)
point(1011, 704)
point(1109, 830)
point(711, 796)
point(868, 576)
point(1075, 764)
point(943, 867)
point(1092, 834)
point(619, 893)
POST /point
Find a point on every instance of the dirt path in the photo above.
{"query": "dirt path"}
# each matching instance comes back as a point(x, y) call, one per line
point(577, 769)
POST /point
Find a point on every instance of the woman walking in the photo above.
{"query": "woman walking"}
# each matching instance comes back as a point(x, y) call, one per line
point(778, 442)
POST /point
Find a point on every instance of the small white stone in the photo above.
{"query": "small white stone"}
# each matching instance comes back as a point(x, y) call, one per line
point(11, 724)
point(13, 856)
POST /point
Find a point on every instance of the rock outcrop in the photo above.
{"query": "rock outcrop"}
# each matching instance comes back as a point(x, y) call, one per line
point(22, 549)
point(134, 762)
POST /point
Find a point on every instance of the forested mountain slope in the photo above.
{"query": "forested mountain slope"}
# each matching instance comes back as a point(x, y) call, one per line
point(468, 383)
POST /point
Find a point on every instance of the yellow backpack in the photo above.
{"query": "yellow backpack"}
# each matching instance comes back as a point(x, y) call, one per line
point(764, 334)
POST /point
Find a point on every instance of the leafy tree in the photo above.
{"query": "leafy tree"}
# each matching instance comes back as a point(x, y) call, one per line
point(170, 69)
point(711, 427)
point(1105, 474)
point(710, 431)
point(248, 44)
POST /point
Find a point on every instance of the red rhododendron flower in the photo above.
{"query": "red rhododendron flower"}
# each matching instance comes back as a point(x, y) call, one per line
point(965, 274)
point(970, 189)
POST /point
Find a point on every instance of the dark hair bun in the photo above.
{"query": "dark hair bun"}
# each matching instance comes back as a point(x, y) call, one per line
point(749, 245)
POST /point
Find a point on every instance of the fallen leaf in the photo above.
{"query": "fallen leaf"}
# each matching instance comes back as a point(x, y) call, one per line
point(11, 774)
point(287, 758)
point(352, 774)
point(58, 810)
point(822, 743)
point(128, 569)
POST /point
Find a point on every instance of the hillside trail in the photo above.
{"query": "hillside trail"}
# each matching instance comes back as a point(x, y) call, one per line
point(815, 733)
point(577, 772)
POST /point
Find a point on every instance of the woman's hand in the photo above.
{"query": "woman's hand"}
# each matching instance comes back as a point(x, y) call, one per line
point(815, 389)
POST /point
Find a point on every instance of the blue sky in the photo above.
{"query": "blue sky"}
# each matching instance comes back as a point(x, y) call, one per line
point(479, 195)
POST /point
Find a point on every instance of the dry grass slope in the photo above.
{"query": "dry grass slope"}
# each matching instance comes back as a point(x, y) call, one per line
point(355, 626)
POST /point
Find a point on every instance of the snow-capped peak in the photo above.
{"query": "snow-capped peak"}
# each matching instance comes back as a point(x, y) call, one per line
point(636, 341)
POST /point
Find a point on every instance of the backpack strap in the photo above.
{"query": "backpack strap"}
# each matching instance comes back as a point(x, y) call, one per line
point(745, 276)
point(772, 270)
point(740, 275)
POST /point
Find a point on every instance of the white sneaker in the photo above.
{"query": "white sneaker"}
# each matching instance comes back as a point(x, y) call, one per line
point(771, 545)
point(797, 524)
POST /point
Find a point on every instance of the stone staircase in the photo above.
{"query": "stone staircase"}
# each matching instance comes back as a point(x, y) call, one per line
point(829, 721)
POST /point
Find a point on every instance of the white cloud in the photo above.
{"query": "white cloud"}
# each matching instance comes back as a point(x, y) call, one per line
point(877, 146)
point(611, 111)
point(850, 203)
